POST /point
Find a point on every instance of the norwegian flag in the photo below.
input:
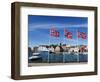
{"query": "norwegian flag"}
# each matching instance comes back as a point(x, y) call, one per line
point(57, 34)
point(54, 32)
point(82, 35)
point(67, 34)
point(79, 34)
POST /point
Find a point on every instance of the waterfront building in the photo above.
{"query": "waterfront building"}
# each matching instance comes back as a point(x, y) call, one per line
point(42, 48)
point(35, 49)
point(51, 49)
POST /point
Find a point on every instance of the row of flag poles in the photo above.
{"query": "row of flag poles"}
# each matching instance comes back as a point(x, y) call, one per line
point(67, 34)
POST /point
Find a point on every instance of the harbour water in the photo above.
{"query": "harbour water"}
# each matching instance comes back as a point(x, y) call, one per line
point(45, 57)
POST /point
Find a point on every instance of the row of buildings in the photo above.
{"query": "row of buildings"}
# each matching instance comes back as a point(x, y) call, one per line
point(82, 49)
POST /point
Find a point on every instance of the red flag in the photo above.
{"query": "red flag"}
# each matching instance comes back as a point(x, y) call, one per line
point(54, 32)
point(81, 35)
point(67, 34)
point(84, 35)
point(57, 34)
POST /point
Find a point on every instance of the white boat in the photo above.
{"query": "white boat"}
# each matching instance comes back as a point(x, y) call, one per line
point(35, 54)
point(34, 57)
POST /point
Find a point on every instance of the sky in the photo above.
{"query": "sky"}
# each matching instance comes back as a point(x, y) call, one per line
point(39, 29)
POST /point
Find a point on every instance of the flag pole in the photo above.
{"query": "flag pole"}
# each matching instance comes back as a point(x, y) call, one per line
point(77, 46)
point(64, 42)
point(49, 43)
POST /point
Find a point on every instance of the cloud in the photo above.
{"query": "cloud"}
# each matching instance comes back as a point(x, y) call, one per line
point(48, 26)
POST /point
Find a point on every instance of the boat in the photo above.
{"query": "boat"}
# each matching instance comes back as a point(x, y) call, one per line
point(35, 56)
